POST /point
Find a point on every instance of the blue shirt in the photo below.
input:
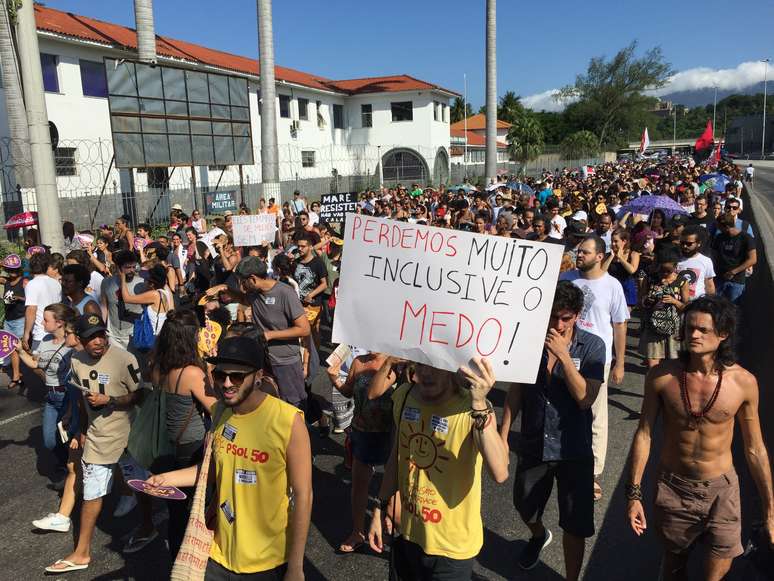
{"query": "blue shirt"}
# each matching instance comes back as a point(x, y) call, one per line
point(553, 426)
point(544, 195)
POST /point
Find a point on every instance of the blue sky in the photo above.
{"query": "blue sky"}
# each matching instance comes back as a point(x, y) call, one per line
point(541, 46)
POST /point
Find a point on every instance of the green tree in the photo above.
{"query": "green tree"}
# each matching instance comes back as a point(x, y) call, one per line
point(613, 90)
point(525, 138)
point(510, 108)
point(579, 145)
point(459, 109)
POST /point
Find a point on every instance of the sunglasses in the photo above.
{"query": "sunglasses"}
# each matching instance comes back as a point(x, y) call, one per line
point(237, 377)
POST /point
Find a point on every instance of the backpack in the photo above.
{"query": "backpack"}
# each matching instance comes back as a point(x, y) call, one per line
point(144, 335)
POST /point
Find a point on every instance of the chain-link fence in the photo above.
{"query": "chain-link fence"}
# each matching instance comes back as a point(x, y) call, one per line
point(474, 172)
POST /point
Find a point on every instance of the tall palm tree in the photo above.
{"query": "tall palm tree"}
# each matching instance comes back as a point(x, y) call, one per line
point(510, 107)
point(525, 139)
point(268, 108)
point(491, 89)
point(146, 34)
point(21, 157)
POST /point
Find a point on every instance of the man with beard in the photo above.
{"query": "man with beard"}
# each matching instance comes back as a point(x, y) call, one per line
point(119, 315)
point(700, 395)
point(702, 272)
point(604, 314)
point(258, 534)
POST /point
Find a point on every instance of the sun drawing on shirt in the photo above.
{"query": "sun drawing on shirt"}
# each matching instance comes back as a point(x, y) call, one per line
point(424, 452)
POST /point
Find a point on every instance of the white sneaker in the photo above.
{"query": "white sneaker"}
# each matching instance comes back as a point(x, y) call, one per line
point(53, 522)
point(125, 505)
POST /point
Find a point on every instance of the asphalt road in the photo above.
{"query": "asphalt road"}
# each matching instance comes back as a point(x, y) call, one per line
point(614, 553)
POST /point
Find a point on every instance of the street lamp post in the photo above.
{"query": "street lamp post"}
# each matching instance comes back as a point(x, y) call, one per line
point(714, 110)
point(763, 127)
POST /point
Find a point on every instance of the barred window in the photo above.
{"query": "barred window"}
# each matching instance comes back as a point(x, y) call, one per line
point(307, 158)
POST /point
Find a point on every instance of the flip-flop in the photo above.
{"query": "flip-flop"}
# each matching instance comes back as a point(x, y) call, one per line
point(70, 566)
point(16, 383)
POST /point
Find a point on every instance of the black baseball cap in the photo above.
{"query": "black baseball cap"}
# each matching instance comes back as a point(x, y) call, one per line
point(252, 266)
point(241, 350)
point(88, 325)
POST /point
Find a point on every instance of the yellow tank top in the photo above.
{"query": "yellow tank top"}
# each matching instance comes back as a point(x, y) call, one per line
point(249, 451)
point(439, 476)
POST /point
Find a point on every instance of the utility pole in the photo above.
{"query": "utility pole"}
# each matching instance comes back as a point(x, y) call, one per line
point(714, 110)
point(268, 108)
point(491, 90)
point(763, 127)
point(674, 131)
point(465, 116)
point(43, 169)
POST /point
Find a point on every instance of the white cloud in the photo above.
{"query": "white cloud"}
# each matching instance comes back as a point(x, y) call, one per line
point(545, 101)
point(740, 77)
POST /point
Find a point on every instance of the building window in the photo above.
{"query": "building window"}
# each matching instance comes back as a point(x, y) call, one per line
point(48, 62)
point(307, 158)
point(436, 107)
point(64, 161)
point(445, 113)
point(366, 115)
point(338, 116)
point(93, 80)
point(320, 118)
point(402, 111)
point(303, 109)
point(284, 101)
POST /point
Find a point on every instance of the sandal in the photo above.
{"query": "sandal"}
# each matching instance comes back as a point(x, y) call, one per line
point(597, 491)
point(16, 383)
point(68, 566)
point(346, 548)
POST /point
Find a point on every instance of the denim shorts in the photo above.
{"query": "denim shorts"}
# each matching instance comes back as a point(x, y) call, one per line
point(97, 480)
point(372, 448)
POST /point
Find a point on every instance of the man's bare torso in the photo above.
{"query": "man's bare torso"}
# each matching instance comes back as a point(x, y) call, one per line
point(699, 448)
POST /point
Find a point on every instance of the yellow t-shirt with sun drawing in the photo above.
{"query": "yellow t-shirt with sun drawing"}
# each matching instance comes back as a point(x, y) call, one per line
point(439, 475)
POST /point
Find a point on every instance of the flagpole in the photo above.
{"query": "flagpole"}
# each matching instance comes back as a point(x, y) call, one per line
point(674, 132)
point(465, 116)
point(763, 128)
point(714, 109)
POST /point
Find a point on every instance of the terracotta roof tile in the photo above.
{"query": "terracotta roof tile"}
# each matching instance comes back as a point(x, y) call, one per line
point(90, 29)
point(479, 122)
point(474, 139)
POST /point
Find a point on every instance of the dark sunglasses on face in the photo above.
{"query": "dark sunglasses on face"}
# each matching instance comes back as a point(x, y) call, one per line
point(237, 377)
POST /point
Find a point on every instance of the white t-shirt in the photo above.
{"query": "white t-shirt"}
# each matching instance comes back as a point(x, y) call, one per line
point(702, 268)
point(560, 221)
point(40, 292)
point(95, 285)
point(314, 218)
point(604, 303)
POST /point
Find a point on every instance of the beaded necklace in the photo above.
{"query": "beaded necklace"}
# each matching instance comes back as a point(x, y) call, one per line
point(694, 418)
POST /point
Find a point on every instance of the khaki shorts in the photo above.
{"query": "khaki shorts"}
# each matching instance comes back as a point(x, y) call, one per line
point(687, 510)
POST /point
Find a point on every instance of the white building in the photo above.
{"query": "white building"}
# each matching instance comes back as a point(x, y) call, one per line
point(329, 131)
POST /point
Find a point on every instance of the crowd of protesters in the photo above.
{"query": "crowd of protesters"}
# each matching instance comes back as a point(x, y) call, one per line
point(232, 338)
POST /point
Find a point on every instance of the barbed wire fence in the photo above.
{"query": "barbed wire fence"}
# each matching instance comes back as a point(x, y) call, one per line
point(93, 191)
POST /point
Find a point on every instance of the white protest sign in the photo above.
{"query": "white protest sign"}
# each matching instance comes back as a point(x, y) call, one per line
point(253, 229)
point(441, 297)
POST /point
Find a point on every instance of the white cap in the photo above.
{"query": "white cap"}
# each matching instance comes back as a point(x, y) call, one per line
point(580, 215)
point(177, 207)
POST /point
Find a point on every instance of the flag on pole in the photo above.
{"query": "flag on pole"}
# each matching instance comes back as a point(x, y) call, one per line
point(706, 140)
point(644, 141)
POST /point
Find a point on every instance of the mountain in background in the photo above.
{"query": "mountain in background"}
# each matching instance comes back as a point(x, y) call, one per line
point(701, 97)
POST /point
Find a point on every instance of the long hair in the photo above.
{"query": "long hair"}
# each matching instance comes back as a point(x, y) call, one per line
point(723, 313)
point(177, 343)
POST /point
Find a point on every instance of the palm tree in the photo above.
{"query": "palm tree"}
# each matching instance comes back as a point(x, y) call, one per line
point(525, 139)
point(21, 156)
point(146, 34)
point(510, 107)
point(460, 110)
point(268, 110)
point(491, 90)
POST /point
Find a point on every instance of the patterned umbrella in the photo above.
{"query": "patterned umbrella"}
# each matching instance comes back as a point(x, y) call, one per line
point(23, 220)
point(520, 187)
point(646, 204)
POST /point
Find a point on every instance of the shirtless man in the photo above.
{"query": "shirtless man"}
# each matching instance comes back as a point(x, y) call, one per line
point(697, 494)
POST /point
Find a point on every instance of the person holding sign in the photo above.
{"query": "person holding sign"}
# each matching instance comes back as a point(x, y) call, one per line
point(556, 433)
point(446, 431)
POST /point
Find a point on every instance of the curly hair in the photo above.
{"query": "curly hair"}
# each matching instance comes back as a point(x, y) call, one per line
point(724, 319)
point(177, 343)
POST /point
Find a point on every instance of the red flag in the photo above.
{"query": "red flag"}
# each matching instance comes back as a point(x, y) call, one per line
point(706, 139)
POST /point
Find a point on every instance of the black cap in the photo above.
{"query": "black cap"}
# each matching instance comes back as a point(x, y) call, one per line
point(241, 350)
point(88, 325)
point(252, 266)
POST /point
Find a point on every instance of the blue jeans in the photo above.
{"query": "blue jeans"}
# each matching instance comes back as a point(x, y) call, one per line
point(733, 291)
point(53, 410)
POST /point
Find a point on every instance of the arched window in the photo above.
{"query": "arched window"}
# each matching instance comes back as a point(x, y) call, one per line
point(404, 165)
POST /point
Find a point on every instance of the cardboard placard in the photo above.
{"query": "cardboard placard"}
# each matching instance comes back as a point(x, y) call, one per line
point(442, 297)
